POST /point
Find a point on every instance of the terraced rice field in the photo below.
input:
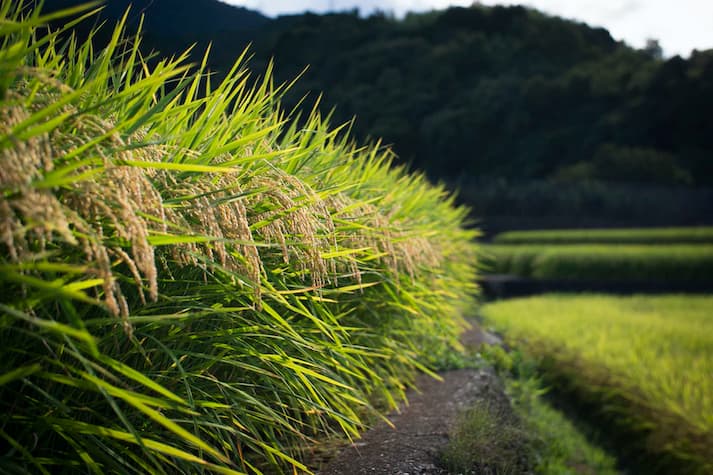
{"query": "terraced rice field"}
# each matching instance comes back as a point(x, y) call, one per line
point(621, 262)
point(681, 235)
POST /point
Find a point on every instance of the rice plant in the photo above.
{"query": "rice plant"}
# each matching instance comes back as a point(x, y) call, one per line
point(191, 282)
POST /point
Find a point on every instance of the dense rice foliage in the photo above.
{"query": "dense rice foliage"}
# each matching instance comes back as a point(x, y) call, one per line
point(675, 262)
point(189, 284)
point(602, 236)
point(646, 360)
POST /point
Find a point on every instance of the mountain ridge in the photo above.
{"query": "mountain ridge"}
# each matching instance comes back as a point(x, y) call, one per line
point(473, 95)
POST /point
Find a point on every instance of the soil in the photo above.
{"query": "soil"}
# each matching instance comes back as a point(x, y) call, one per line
point(420, 428)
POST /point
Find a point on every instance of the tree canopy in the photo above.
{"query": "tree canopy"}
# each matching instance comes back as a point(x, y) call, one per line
point(475, 93)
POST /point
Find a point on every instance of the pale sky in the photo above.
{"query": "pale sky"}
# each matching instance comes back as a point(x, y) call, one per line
point(680, 26)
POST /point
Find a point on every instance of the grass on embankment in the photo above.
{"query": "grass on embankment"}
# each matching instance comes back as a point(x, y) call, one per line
point(190, 284)
point(691, 235)
point(520, 432)
point(645, 361)
point(675, 262)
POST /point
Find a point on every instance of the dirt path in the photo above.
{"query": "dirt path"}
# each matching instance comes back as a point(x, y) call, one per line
point(420, 429)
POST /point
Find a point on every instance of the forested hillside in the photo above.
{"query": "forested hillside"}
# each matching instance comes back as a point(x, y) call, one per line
point(481, 93)
point(506, 91)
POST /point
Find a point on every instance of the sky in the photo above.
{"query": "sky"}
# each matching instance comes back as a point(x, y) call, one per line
point(680, 26)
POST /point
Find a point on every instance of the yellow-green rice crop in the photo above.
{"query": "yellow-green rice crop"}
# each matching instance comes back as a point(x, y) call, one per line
point(674, 262)
point(647, 359)
point(700, 234)
point(190, 284)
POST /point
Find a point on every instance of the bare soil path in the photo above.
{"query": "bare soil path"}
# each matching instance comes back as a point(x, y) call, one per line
point(420, 429)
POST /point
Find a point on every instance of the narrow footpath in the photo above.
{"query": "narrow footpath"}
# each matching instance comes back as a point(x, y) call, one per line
point(420, 428)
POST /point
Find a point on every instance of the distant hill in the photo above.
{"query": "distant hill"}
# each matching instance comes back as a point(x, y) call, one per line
point(179, 17)
point(506, 92)
point(171, 26)
point(472, 95)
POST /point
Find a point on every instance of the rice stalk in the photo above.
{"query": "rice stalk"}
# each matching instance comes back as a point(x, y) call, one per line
point(190, 283)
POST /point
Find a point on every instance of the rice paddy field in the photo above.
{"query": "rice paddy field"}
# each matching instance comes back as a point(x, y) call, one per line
point(644, 363)
point(681, 235)
point(189, 281)
point(622, 262)
point(193, 281)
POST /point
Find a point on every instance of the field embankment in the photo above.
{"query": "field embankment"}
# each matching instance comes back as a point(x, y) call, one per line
point(642, 364)
point(189, 284)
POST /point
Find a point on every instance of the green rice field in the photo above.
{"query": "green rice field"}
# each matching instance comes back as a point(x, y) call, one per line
point(701, 234)
point(622, 262)
point(645, 361)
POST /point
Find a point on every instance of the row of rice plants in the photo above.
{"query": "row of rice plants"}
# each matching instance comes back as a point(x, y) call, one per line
point(189, 283)
point(689, 235)
point(673, 262)
point(644, 362)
